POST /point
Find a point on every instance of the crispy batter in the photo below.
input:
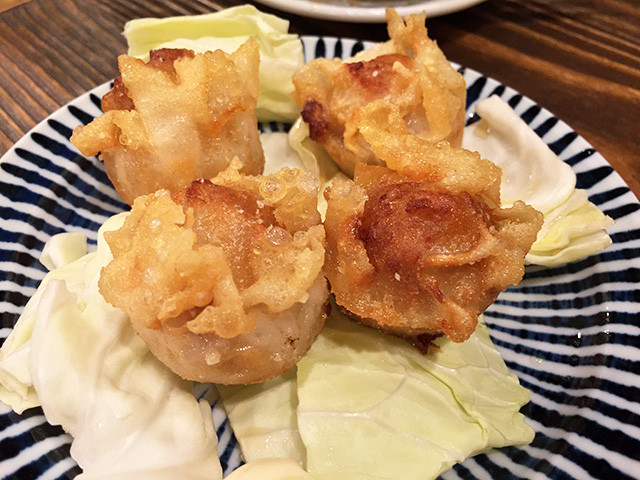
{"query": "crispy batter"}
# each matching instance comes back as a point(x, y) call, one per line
point(456, 169)
point(221, 264)
point(413, 256)
point(178, 118)
point(117, 98)
point(162, 59)
point(408, 74)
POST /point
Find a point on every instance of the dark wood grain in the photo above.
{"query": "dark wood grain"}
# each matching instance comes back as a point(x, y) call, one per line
point(578, 58)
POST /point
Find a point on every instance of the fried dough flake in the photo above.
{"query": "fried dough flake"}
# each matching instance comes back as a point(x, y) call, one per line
point(222, 279)
point(414, 256)
point(181, 117)
point(408, 74)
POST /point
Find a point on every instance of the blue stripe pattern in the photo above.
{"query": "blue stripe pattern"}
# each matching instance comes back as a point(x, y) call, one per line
point(570, 333)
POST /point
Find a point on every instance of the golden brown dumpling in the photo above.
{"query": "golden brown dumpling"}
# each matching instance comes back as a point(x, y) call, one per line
point(426, 248)
point(409, 74)
point(181, 117)
point(223, 279)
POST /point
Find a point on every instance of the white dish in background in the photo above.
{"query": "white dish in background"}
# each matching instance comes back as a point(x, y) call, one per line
point(367, 11)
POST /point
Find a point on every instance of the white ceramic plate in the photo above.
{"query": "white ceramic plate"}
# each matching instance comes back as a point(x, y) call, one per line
point(571, 333)
point(367, 11)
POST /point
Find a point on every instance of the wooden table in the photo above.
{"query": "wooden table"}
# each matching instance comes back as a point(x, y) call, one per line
point(578, 58)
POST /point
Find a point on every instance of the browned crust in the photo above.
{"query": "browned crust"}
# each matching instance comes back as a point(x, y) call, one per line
point(162, 59)
point(374, 76)
point(313, 113)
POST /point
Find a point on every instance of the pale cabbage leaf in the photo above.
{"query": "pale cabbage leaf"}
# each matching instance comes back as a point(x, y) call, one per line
point(573, 228)
point(263, 418)
point(270, 469)
point(278, 153)
point(129, 416)
point(314, 158)
point(530, 170)
point(281, 53)
point(16, 386)
point(371, 406)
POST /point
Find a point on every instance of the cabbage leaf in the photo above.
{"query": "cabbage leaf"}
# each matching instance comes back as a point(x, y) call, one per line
point(59, 256)
point(281, 53)
point(263, 418)
point(129, 416)
point(573, 228)
point(371, 406)
point(270, 469)
point(530, 170)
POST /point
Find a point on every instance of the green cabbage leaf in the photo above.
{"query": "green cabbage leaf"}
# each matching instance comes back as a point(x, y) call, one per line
point(370, 406)
point(281, 53)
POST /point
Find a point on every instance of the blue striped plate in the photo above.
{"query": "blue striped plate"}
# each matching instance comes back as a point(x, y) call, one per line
point(570, 333)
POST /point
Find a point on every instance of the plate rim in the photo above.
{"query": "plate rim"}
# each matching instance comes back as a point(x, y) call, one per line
point(327, 10)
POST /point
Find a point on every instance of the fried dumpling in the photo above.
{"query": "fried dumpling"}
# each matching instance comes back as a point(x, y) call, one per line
point(223, 279)
point(408, 73)
point(424, 248)
point(178, 118)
